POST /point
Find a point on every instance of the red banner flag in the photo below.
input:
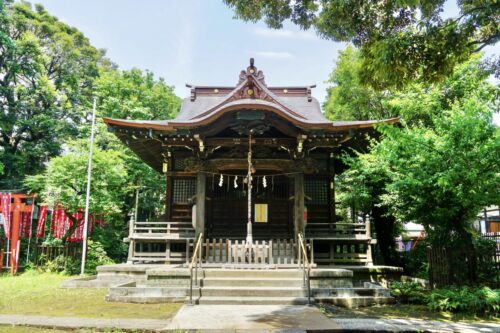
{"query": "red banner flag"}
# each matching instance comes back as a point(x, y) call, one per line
point(25, 224)
point(40, 227)
point(5, 199)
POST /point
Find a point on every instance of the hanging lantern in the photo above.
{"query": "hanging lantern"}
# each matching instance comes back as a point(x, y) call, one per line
point(221, 181)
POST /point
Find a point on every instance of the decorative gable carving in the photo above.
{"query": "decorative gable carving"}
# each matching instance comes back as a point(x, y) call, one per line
point(251, 85)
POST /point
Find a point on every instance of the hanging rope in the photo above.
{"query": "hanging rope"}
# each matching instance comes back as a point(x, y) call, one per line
point(244, 175)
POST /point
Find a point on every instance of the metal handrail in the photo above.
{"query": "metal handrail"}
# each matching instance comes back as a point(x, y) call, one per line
point(194, 261)
point(305, 266)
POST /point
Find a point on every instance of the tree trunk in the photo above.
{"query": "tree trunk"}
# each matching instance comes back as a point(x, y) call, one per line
point(470, 255)
point(384, 227)
point(74, 225)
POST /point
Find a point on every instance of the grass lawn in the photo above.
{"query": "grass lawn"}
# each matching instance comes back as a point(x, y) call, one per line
point(406, 311)
point(22, 329)
point(34, 293)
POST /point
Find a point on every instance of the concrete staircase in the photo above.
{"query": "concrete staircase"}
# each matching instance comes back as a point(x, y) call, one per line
point(250, 286)
point(244, 286)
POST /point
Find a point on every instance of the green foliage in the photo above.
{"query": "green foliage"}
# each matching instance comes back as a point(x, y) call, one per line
point(64, 182)
point(439, 168)
point(408, 292)
point(479, 301)
point(111, 238)
point(348, 98)
point(96, 256)
point(47, 73)
point(487, 271)
point(415, 262)
point(135, 94)
point(442, 177)
point(400, 40)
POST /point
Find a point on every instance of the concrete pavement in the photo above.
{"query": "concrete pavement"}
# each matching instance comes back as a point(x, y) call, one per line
point(250, 318)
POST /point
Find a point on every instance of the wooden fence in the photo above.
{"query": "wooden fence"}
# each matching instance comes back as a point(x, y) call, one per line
point(449, 266)
point(46, 253)
point(272, 252)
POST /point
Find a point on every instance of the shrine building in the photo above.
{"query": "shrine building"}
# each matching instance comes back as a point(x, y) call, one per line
point(249, 165)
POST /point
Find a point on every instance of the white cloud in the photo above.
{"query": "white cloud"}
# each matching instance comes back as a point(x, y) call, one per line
point(283, 33)
point(274, 55)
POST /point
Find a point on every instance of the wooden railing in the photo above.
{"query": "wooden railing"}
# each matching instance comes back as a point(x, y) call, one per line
point(272, 252)
point(196, 260)
point(306, 266)
point(338, 230)
point(161, 229)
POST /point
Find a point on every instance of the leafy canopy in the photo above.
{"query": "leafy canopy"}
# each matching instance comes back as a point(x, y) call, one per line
point(417, 103)
point(47, 70)
point(441, 177)
point(399, 40)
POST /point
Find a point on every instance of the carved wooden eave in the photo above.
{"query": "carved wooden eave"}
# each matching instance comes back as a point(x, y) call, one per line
point(306, 165)
point(222, 116)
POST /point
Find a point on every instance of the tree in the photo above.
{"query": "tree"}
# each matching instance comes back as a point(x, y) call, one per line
point(135, 94)
point(418, 102)
point(361, 187)
point(364, 184)
point(47, 70)
point(441, 177)
point(400, 40)
point(348, 98)
point(121, 94)
point(64, 183)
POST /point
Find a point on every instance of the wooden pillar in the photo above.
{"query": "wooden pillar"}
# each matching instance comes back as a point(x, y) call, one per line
point(131, 237)
point(333, 205)
point(369, 257)
point(201, 182)
point(15, 242)
point(299, 204)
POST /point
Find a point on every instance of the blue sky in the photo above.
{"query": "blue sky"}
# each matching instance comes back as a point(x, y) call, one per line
point(199, 42)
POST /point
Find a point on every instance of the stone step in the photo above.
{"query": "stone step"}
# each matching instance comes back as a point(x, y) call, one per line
point(354, 301)
point(254, 291)
point(251, 282)
point(253, 300)
point(351, 292)
point(252, 273)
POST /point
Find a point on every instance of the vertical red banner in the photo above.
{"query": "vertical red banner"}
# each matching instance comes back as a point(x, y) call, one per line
point(5, 199)
point(40, 226)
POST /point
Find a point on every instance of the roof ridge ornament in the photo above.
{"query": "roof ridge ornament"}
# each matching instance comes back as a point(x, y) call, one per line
point(252, 72)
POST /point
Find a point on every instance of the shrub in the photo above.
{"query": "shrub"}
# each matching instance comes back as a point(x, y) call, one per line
point(96, 256)
point(478, 301)
point(408, 292)
point(415, 262)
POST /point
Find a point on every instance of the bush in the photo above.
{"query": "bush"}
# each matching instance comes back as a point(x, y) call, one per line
point(111, 239)
point(478, 301)
point(415, 262)
point(487, 270)
point(408, 292)
point(96, 256)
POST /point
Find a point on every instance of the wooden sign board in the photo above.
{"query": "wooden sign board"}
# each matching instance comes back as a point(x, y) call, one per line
point(261, 215)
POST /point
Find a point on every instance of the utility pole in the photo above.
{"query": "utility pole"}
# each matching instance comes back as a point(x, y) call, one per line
point(87, 198)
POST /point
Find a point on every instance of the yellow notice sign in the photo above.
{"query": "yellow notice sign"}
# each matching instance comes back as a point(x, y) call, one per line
point(261, 213)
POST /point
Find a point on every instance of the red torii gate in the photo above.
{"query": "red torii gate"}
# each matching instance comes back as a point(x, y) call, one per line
point(16, 208)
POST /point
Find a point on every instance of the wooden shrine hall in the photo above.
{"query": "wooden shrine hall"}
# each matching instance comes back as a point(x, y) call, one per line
point(249, 166)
